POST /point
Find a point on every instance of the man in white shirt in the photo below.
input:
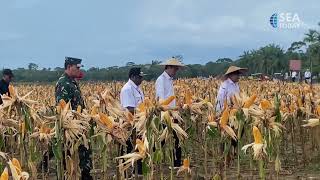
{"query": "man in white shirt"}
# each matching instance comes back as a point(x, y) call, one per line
point(307, 76)
point(229, 86)
point(293, 76)
point(164, 83)
point(165, 89)
point(131, 96)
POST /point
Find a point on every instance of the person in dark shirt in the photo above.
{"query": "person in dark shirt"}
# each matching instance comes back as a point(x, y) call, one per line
point(5, 82)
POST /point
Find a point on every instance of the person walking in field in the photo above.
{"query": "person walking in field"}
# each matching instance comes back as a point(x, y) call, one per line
point(293, 76)
point(131, 96)
point(229, 86)
point(68, 89)
point(5, 82)
point(164, 89)
point(307, 76)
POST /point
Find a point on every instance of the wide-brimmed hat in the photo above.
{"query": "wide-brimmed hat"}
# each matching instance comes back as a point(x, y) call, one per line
point(233, 69)
point(172, 62)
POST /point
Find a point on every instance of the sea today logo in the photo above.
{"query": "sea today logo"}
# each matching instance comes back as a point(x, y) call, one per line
point(285, 20)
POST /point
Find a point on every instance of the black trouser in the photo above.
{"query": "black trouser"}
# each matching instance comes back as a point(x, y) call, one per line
point(178, 151)
point(85, 163)
point(177, 154)
point(130, 149)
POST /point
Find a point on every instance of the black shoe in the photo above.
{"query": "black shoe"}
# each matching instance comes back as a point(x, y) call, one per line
point(177, 163)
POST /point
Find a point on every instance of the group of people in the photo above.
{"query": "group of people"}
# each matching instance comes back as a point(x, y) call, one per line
point(131, 95)
point(295, 76)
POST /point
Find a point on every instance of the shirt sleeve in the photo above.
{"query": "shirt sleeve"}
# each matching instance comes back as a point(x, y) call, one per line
point(222, 95)
point(127, 98)
point(160, 88)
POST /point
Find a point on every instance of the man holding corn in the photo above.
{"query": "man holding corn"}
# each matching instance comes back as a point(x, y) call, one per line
point(68, 89)
point(131, 96)
point(229, 86)
point(165, 89)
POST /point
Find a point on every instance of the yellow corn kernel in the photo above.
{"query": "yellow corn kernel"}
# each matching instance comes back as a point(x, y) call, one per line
point(4, 175)
point(62, 104)
point(79, 109)
point(186, 163)
point(225, 117)
point(104, 119)
point(142, 107)
point(188, 98)
point(140, 146)
point(265, 104)
point(94, 111)
point(257, 135)
point(17, 165)
point(167, 101)
point(250, 101)
point(12, 91)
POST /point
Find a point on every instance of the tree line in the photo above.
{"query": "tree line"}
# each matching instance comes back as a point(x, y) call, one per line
point(269, 59)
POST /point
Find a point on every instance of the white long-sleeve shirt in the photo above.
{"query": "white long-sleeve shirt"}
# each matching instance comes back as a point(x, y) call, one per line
point(131, 95)
point(164, 87)
point(307, 74)
point(227, 89)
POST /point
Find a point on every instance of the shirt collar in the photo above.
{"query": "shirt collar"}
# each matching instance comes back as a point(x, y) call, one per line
point(132, 84)
point(230, 81)
point(166, 75)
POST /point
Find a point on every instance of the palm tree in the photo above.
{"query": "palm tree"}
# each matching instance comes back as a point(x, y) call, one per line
point(296, 46)
point(312, 36)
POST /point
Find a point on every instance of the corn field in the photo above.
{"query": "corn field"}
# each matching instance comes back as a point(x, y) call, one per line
point(269, 131)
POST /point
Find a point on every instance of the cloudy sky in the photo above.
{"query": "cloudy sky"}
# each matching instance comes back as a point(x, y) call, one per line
point(107, 33)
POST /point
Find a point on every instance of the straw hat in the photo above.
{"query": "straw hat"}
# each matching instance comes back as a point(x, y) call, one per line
point(172, 62)
point(232, 69)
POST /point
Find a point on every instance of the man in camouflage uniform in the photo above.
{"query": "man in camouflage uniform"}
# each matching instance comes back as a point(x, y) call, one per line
point(68, 89)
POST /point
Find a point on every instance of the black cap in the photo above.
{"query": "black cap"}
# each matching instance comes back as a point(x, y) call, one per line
point(7, 72)
point(136, 71)
point(73, 61)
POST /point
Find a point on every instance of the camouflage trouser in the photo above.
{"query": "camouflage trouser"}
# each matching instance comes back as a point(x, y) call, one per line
point(85, 163)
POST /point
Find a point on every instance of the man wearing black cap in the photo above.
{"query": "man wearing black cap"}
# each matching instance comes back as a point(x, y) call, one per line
point(5, 82)
point(131, 96)
point(68, 89)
